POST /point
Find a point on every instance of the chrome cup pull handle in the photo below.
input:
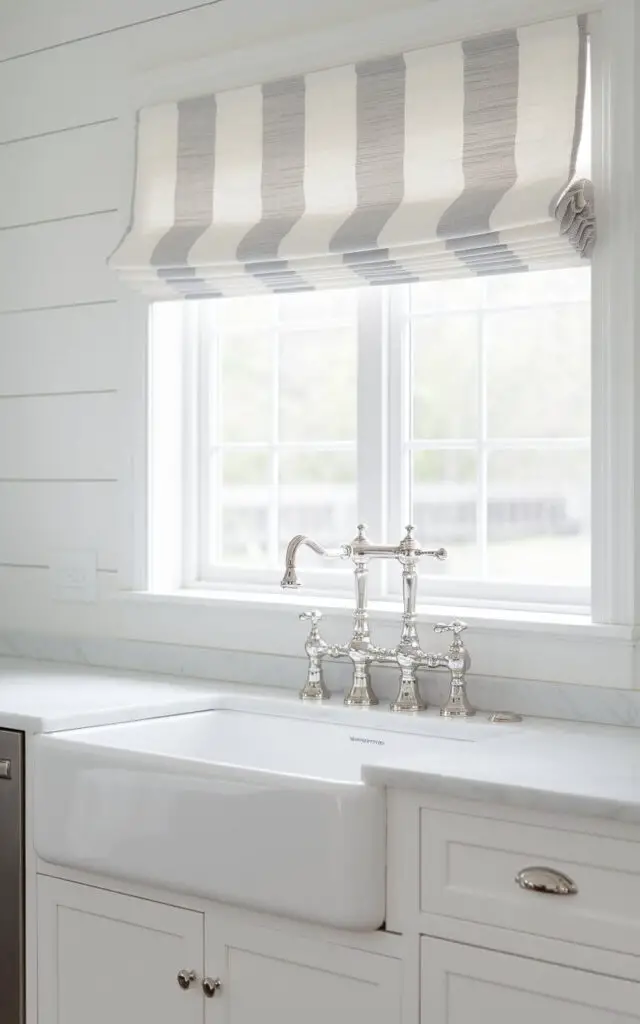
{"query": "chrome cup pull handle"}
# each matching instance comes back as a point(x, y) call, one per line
point(546, 880)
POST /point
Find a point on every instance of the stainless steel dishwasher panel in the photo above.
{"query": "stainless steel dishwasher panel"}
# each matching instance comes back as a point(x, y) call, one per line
point(12, 986)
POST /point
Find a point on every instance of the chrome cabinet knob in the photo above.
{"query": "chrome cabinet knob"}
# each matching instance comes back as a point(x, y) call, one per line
point(546, 880)
point(185, 978)
point(210, 986)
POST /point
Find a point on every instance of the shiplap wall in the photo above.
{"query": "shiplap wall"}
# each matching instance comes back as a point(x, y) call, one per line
point(72, 346)
point(69, 350)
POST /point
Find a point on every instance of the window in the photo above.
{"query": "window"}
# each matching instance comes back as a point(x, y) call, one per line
point(462, 406)
point(495, 439)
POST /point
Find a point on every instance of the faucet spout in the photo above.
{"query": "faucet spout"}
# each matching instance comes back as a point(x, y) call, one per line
point(290, 579)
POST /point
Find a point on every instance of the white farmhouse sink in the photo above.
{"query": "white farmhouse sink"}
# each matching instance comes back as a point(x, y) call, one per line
point(261, 811)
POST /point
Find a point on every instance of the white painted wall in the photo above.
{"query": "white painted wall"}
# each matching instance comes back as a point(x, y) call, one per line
point(72, 346)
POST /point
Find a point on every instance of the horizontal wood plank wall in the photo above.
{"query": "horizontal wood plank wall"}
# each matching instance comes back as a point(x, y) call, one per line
point(50, 177)
point(41, 516)
point(90, 80)
point(72, 348)
point(60, 437)
point(36, 24)
point(69, 351)
point(58, 263)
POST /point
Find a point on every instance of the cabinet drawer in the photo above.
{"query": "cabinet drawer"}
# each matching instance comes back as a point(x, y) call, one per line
point(461, 984)
point(468, 869)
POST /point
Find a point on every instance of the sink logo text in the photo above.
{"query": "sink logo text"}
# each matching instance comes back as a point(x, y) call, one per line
point(365, 739)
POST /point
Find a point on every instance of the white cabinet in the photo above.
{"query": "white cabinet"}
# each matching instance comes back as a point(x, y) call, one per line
point(104, 958)
point(275, 976)
point(469, 864)
point(460, 984)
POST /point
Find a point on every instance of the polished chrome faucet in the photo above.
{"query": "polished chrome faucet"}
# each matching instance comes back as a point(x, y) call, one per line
point(360, 649)
point(290, 579)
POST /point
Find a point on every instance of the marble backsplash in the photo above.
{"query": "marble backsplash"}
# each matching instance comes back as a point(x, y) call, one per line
point(603, 705)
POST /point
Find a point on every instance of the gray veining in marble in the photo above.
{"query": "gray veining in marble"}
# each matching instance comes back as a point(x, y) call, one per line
point(602, 705)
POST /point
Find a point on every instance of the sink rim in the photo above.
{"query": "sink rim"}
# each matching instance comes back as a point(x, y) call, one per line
point(92, 744)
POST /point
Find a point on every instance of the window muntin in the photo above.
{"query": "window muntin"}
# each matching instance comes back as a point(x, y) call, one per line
point(486, 432)
point(496, 448)
point(279, 452)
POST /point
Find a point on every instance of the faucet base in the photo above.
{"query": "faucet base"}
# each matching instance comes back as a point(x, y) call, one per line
point(449, 712)
point(314, 692)
point(361, 695)
point(458, 706)
point(408, 699)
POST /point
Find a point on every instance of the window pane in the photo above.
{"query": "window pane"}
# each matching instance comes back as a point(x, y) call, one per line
point(310, 307)
point(538, 371)
point(245, 530)
point(246, 387)
point(317, 496)
point(539, 288)
point(318, 385)
point(244, 501)
point(444, 507)
point(445, 373)
point(241, 314)
point(539, 517)
point(459, 293)
point(497, 361)
point(246, 468)
point(311, 468)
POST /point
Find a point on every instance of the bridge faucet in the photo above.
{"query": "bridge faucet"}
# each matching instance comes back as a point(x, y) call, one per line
point(360, 649)
point(290, 579)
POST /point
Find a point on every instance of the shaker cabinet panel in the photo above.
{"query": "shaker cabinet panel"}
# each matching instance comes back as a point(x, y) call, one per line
point(460, 984)
point(104, 958)
point(469, 867)
point(268, 975)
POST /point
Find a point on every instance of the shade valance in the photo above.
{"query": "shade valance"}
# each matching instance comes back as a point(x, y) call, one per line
point(451, 160)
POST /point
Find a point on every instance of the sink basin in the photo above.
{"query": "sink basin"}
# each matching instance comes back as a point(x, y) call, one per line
point(259, 810)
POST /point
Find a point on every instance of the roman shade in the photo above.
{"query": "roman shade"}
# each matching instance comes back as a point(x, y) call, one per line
point(450, 160)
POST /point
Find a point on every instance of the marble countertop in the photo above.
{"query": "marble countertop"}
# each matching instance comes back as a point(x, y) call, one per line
point(556, 766)
point(43, 697)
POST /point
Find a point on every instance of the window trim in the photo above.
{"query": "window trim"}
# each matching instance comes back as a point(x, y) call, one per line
point(615, 378)
point(384, 417)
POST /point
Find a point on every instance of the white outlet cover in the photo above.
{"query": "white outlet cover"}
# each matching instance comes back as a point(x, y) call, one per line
point(73, 574)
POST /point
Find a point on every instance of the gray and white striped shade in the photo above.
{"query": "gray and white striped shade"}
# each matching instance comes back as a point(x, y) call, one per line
point(452, 160)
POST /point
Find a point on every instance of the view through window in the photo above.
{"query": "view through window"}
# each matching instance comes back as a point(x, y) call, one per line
point(488, 429)
point(498, 441)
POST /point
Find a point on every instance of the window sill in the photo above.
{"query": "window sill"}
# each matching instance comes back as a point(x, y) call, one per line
point(386, 613)
point(258, 638)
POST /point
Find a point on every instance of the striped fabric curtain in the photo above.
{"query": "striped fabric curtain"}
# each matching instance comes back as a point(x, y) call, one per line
point(451, 160)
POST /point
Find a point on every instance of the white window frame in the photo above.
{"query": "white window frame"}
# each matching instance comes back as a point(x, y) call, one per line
point(383, 499)
point(600, 649)
point(198, 487)
point(452, 590)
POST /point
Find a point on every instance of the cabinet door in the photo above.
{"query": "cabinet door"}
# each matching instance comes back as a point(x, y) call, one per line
point(461, 984)
point(271, 976)
point(104, 958)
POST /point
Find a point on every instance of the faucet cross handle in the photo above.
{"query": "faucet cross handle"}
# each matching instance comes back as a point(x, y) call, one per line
point(313, 617)
point(459, 662)
point(456, 627)
point(316, 649)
